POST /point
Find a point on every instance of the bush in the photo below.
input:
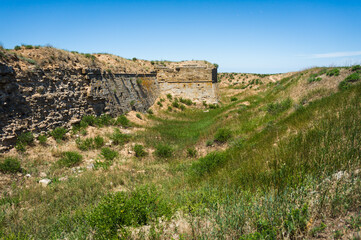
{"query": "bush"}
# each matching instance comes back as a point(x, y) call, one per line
point(150, 111)
point(10, 165)
point(70, 159)
point(26, 138)
point(278, 107)
point(163, 151)
point(160, 104)
point(88, 120)
point(182, 107)
point(187, 102)
point(121, 209)
point(42, 139)
point(103, 120)
point(175, 104)
point(223, 135)
point(17, 47)
point(169, 96)
point(356, 68)
point(209, 143)
point(20, 147)
point(28, 46)
point(108, 154)
point(138, 116)
point(333, 72)
point(58, 133)
point(169, 109)
point(344, 85)
point(139, 150)
point(119, 138)
point(233, 99)
point(208, 163)
point(191, 152)
point(98, 142)
point(354, 77)
point(123, 121)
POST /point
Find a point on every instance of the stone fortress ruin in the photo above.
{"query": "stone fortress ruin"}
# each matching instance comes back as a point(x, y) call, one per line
point(44, 98)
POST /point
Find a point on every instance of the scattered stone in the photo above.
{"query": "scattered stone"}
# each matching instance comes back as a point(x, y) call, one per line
point(28, 175)
point(90, 166)
point(45, 182)
point(63, 179)
point(42, 174)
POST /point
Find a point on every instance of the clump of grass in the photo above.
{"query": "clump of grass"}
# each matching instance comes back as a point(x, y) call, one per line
point(356, 68)
point(333, 72)
point(175, 104)
point(24, 140)
point(42, 139)
point(314, 78)
point(182, 107)
point(108, 153)
point(90, 143)
point(58, 133)
point(169, 96)
point(208, 164)
point(345, 84)
point(70, 159)
point(139, 150)
point(138, 116)
point(122, 121)
point(150, 111)
point(233, 99)
point(160, 104)
point(98, 142)
point(223, 135)
point(192, 152)
point(187, 102)
point(278, 107)
point(164, 151)
point(10, 165)
point(169, 109)
point(121, 209)
point(119, 138)
point(17, 47)
point(209, 143)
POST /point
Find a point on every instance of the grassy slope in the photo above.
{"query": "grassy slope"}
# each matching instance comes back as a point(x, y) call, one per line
point(288, 172)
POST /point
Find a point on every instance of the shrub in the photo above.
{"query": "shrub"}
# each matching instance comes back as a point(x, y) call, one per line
point(333, 72)
point(103, 120)
point(278, 107)
point(98, 142)
point(169, 96)
point(233, 99)
point(191, 152)
point(169, 108)
point(88, 120)
point(354, 77)
point(123, 121)
point(132, 103)
point(163, 151)
point(314, 78)
point(222, 135)
point(213, 106)
point(139, 150)
point(182, 107)
point(209, 143)
point(150, 111)
point(20, 147)
point(121, 209)
point(160, 104)
point(10, 165)
point(70, 159)
point(134, 59)
point(26, 138)
point(356, 68)
point(42, 139)
point(58, 133)
point(28, 46)
point(119, 138)
point(175, 104)
point(208, 163)
point(85, 144)
point(138, 116)
point(17, 47)
point(108, 153)
point(187, 102)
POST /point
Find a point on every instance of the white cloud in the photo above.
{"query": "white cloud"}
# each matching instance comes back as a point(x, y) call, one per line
point(335, 54)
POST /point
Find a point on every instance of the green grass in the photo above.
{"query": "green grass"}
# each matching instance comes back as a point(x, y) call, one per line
point(58, 133)
point(10, 165)
point(70, 159)
point(108, 153)
point(139, 150)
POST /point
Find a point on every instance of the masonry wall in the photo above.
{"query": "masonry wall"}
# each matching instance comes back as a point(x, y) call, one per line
point(193, 82)
point(41, 100)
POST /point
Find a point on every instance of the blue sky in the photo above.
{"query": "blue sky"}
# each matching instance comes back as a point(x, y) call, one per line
point(240, 36)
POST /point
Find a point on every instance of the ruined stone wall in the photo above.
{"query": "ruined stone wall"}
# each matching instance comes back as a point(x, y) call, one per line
point(44, 99)
point(198, 83)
